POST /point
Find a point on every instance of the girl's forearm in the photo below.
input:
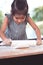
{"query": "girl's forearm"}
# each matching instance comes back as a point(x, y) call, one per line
point(2, 35)
point(38, 33)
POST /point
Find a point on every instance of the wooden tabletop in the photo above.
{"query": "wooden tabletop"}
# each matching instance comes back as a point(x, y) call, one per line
point(11, 51)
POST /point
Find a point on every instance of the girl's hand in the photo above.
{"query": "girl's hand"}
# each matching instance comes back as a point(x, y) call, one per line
point(7, 42)
point(39, 42)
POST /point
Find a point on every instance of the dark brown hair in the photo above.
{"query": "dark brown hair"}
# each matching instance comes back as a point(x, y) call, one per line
point(19, 7)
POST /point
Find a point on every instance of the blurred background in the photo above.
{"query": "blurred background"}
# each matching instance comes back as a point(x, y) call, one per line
point(35, 10)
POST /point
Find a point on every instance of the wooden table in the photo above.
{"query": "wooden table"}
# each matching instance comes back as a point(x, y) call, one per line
point(29, 55)
point(9, 52)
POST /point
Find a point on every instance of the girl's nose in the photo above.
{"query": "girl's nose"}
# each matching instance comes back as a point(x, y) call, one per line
point(19, 20)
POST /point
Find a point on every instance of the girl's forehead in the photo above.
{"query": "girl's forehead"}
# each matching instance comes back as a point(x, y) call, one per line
point(19, 15)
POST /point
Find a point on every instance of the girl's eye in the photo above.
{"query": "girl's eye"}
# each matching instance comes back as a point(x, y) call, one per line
point(19, 18)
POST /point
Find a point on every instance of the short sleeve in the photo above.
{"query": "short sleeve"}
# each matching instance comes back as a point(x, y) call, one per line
point(28, 15)
point(9, 17)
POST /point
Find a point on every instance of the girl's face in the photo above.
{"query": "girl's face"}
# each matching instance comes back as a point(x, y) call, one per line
point(19, 18)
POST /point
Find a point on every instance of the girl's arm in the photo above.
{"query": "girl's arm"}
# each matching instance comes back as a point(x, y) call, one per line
point(2, 35)
point(3, 28)
point(35, 27)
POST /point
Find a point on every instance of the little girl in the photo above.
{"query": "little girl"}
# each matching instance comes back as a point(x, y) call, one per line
point(14, 25)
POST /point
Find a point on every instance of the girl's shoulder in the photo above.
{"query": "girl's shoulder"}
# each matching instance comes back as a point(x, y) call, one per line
point(27, 14)
point(9, 17)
